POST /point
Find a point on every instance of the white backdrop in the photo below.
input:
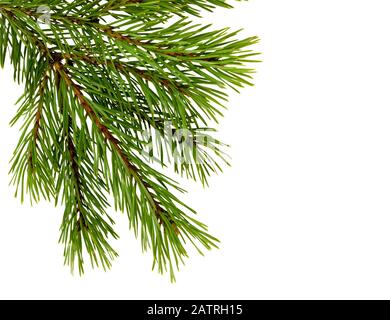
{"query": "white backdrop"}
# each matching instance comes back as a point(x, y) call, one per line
point(305, 210)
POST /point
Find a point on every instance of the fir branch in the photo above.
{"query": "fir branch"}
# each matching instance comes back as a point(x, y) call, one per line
point(93, 90)
point(133, 171)
point(126, 69)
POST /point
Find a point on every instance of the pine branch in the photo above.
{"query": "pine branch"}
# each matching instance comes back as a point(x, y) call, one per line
point(99, 95)
point(133, 171)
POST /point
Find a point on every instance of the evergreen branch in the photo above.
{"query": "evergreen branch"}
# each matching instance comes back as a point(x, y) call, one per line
point(83, 224)
point(133, 171)
point(202, 169)
point(38, 178)
point(128, 9)
point(126, 69)
point(93, 90)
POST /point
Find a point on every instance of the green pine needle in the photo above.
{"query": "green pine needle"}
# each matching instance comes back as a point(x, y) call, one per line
point(102, 81)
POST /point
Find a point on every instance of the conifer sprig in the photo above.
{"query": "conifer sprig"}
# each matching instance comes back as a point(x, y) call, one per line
point(102, 81)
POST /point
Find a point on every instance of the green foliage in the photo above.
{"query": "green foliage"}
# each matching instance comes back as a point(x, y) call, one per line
point(102, 79)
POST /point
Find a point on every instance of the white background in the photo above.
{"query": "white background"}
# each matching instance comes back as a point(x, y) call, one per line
point(305, 210)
